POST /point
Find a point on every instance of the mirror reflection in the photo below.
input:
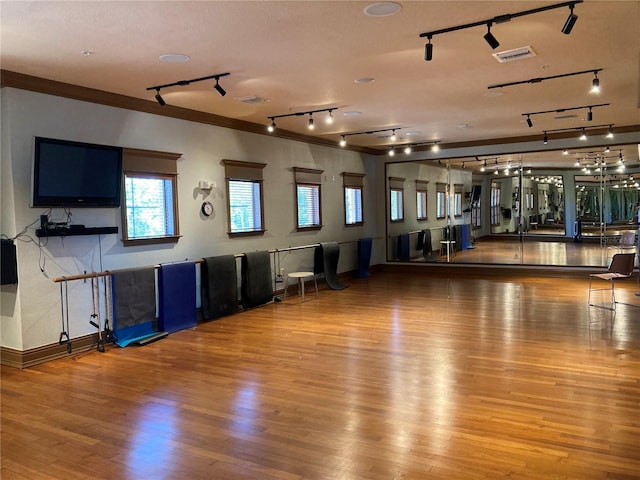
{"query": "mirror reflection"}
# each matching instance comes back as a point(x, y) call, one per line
point(515, 210)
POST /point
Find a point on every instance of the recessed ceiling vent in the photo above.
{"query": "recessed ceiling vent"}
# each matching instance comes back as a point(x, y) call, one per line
point(515, 54)
point(252, 99)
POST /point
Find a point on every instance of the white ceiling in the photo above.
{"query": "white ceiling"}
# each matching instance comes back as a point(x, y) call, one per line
point(306, 55)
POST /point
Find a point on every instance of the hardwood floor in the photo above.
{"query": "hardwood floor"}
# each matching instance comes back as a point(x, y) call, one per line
point(400, 376)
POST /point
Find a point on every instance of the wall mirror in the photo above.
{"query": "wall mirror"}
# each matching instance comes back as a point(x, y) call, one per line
point(555, 208)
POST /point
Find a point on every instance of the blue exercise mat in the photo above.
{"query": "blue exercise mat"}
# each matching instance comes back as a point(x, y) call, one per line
point(177, 296)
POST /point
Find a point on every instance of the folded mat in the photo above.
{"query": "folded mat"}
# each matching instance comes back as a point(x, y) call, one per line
point(256, 285)
point(403, 247)
point(177, 296)
point(218, 286)
point(325, 260)
point(364, 256)
point(134, 305)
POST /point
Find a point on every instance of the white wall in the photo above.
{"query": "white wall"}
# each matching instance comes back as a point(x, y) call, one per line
point(31, 314)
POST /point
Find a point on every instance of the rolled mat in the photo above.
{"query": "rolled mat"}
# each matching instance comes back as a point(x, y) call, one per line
point(403, 247)
point(325, 260)
point(134, 305)
point(218, 286)
point(364, 256)
point(177, 296)
point(256, 286)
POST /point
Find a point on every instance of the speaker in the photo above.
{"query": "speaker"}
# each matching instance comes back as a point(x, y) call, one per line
point(8, 263)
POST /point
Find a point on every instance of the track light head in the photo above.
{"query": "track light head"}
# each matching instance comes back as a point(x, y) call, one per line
point(407, 149)
point(610, 132)
point(545, 139)
point(271, 128)
point(219, 89)
point(595, 83)
point(570, 22)
point(589, 115)
point(490, 39)
point(583, 136)
point(428, 51)
point(529, 121)
point(343, 141)
point(435, 148)
point(330, 118)
point(393, 137)
point(392, 152)
point(159, 99)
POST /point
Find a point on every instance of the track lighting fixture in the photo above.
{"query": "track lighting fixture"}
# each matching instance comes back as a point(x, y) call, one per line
point(570, 22)
point(545, 138)
point(369, 132)
point(435, 148)
point(310, 123)
point(428, 51)
point(159, 99)
point(330, 118)
point(392, 152)
point(583, 136)
point(407, 149)
point(610, 132)
point(393, 137)
point(562, 110)
point(219, 89)
point(343, 141)
point(490, 39)
point(271, 128)
point(595, 83)
point(541, 79)
point(183, 83)
point(484, 166)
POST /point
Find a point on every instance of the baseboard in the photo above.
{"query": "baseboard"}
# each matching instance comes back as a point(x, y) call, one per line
point(28, 358)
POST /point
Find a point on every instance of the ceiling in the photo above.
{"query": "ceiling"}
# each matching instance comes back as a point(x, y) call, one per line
point(299, 56)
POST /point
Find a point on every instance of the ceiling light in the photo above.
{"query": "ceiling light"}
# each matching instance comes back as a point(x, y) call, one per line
point(570, 22)
point(407, 149)
point(364, 80)
point(391, 152)
point(343, 141)
point(610, 132)
point(159, 99)
point(545, 139)
point(565, 152)
point(330, 118)
point(595, 83)
point(607, 149)
point(490, 39)
point(174, 58)
point(428, 51)
point(219, 89)
point(435, 148)
point(382, 9)
point(311, 127)
point(584, 135)
point(529, 121)
point(271, 128)
point(393, 136)
point(589, 115)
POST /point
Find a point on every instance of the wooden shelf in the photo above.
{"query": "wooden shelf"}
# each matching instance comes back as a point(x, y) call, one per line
point(69, 232)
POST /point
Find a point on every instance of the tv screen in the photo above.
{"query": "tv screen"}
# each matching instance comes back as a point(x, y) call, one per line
point(74, 174)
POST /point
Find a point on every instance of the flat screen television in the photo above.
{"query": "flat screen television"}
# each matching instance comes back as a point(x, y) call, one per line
point(75, 174)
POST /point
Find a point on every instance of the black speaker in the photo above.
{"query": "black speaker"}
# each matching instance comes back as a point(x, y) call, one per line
point(8, 263)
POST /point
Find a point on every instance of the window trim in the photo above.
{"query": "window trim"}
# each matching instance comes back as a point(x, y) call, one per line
point(457, 200)
point(244, 172)
point(354, 181)
point(396, 184)
point(441, 190)
point(308, 177)
point(150, 164)
point(422, 188)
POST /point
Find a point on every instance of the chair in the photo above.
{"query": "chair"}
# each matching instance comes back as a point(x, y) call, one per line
point(627, 241)
point(621, 267)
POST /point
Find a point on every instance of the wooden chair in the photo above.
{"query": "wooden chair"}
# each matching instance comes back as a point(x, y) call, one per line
point(621, 267)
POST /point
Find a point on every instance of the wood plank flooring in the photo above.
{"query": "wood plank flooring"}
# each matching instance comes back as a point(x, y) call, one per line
point(400, 376)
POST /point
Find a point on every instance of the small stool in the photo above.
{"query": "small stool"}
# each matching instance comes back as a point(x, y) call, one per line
point(301, 277)
point(450, 245)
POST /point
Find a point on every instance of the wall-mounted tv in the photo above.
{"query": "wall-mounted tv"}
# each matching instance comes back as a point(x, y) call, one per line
point(75, 174)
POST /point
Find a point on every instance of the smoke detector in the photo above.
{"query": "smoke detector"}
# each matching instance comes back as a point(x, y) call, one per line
point(515, 54)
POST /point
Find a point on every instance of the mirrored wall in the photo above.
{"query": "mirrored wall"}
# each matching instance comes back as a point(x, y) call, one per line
point(488, 211)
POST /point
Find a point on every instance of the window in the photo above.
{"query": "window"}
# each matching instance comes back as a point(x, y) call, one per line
point(457, 200)
point(396, 199)
point(421, 199)
point(475, 214)
point(353, 183)
point(441, 200)
point(150, 213)
point(495, 204)
point(245, 204)
point(308, 204)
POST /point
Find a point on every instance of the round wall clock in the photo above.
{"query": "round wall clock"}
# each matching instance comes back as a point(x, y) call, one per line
point(206, 209)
